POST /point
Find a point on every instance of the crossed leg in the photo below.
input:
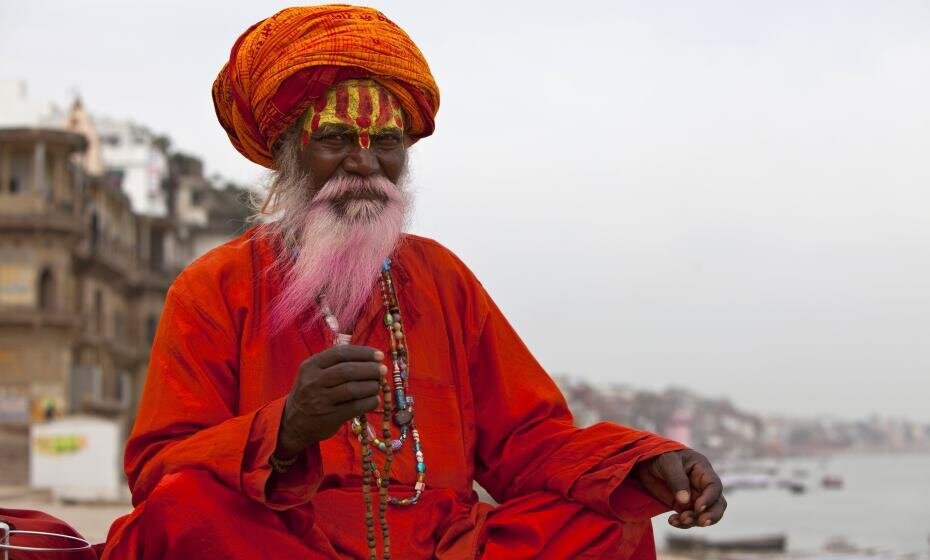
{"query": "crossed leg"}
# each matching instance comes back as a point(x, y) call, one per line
point(192, 515)
point(545, 526)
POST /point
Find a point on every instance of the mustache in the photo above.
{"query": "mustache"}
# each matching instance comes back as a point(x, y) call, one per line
point(344, 189)
point(337, 248)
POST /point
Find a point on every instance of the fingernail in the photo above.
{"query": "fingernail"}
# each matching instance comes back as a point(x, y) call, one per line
point(683, 496)
point(702, 508)
point(382, 368)
point(379, 355)
point(706, 523)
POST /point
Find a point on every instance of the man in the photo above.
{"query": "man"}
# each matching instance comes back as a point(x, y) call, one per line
point(325, 386)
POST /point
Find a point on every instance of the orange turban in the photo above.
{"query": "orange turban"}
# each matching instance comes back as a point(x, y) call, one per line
point(281, 64)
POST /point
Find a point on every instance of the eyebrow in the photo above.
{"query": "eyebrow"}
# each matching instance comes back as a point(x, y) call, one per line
point(331, 128)
point(390, 130)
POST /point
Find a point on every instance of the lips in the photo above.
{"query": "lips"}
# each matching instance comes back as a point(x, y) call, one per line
point(360, 195)
point(356, 206)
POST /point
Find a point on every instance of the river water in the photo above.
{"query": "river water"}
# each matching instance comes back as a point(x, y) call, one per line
point(884, 505)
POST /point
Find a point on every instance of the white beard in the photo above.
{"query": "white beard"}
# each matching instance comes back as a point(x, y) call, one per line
point(338, 243)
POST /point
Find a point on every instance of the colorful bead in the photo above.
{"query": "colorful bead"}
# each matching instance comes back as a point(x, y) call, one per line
point(398, 406)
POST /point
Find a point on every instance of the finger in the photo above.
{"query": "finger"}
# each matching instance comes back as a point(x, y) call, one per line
point(687, 519)
point(713, 514)
point(351, 409)
point(709, 487)
point(676, 520)
point(346, 353)
point(346, 372)
point(672, 471)
point(354, 390)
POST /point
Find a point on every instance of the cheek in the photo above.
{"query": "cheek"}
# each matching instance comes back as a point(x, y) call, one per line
point(322, 167)
point(393, 164)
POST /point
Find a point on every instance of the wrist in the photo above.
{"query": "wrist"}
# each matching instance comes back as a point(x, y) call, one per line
point(279, 465)
point(288, 444)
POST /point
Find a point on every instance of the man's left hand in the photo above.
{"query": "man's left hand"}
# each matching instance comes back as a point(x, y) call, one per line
point(685, 481)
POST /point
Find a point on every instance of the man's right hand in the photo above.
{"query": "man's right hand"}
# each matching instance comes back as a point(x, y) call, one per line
point(331, 388)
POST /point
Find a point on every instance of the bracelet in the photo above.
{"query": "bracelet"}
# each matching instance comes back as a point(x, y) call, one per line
point(280, 465)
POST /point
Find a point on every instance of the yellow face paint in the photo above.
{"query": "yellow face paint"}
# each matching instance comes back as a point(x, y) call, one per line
point(362, 105)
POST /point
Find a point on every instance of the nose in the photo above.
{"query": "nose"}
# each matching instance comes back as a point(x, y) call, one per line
point(361, 161)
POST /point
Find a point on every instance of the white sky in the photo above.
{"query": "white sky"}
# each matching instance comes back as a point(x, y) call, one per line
point(730, 196)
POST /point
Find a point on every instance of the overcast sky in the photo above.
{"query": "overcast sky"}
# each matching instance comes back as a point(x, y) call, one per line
point(727, 196)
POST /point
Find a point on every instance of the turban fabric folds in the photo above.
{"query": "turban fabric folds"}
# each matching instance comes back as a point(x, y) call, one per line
point(280, 65)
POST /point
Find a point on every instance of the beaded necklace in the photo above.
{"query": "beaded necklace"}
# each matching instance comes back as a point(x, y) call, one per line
point(398, 406)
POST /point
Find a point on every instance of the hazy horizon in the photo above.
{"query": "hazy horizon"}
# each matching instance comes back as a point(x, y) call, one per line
point(723, 196)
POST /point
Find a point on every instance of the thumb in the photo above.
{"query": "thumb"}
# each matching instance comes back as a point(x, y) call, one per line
point(672, 470)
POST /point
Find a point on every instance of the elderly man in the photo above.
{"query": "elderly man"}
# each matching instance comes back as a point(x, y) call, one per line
point(326, 386)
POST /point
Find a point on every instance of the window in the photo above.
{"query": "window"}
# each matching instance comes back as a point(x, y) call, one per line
point(157, 250)
point(113, 178)
point(98, 311)
point(20, 171)
point(94, 231)
point(119, 325)
point(151, 326)
point(46, 290)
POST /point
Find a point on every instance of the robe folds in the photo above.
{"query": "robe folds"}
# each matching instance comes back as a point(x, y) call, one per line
point(197, 459)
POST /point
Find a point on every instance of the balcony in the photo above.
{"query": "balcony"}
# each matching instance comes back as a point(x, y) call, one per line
point(33, 213)
point(38, 318)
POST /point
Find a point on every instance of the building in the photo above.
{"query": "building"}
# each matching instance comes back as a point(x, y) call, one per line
point(205, 216)
point(84, 269)
point(136, 158)
point(17, 109)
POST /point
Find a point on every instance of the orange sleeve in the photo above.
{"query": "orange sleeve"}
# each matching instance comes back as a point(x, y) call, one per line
point(189, 418)
point(526, 439)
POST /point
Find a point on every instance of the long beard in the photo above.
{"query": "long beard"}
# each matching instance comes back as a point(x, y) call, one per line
point(337, 243)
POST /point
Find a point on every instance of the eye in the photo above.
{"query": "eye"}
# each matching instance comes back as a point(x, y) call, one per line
point(334, 139)
point(387, 140)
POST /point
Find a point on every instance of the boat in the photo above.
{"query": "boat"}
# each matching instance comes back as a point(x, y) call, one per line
point(745, 481)
point(759, 543)
point(831, 481)
point(793, 486)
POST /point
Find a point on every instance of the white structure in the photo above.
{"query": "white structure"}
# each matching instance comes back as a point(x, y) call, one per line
point(17, 110)
point(134, 155)
point(77, 458)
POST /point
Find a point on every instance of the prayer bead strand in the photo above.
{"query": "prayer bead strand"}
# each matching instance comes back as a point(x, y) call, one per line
point(368, 469)
point(398, 408)
point(383, 495)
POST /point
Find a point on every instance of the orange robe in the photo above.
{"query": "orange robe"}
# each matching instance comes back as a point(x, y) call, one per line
point(197, 460)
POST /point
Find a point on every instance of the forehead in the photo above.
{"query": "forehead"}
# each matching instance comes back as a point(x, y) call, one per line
point(361, 104)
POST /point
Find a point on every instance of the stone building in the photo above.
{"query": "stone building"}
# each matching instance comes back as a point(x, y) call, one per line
point(81, 288)
point(83, 276)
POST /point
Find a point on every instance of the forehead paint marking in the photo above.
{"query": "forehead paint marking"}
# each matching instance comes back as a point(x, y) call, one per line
point(384, 108)
point(367, 108)
point(316, 111)
point(363, 120)
point(342, 104)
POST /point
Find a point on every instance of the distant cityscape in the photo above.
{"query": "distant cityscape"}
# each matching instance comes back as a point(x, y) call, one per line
point(97, 217)
point(720, 429)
